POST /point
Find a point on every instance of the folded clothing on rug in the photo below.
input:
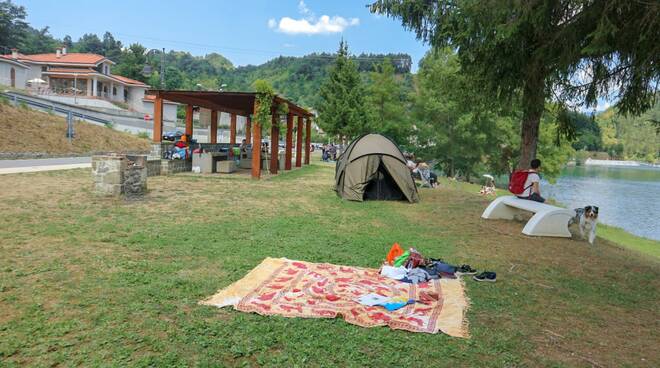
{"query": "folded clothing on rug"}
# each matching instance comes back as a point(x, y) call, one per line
point(279, 286)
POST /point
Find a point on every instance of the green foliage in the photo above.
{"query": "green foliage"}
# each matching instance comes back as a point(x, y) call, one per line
point(388, 104)
point(583, 50)
point(144, 135)
point(342, 110)
point(264, 101)
point(631, 138)
point(12, 24)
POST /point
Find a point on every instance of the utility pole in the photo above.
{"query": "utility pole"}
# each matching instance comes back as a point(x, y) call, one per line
point(162, 69)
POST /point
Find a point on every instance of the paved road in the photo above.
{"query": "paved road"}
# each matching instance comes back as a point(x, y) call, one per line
point(45, 164)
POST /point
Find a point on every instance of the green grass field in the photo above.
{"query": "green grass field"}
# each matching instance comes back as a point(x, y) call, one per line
point(89, 281)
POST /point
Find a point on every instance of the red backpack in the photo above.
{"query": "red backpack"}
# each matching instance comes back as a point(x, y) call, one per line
point(517, 181)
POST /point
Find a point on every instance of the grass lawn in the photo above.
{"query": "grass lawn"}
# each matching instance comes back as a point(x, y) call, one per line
point(92, 281)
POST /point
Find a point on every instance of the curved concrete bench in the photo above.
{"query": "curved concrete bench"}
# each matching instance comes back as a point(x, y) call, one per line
point(547, 220)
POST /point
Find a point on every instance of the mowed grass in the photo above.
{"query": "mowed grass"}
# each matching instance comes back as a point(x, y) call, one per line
point(612, 233)
point(100, 282)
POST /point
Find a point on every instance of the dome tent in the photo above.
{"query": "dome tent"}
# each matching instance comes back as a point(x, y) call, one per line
point(373, 167)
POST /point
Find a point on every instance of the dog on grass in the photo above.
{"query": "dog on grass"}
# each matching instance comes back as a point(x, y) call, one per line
point(586, 218)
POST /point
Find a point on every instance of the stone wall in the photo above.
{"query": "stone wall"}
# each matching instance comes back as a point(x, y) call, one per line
point(108, 174)
point(116, 175)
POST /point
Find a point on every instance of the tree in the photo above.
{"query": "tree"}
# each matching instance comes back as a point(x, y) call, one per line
point(132, 62)
point(570, 50)
point(37, 41)
point(89, 43)
point(12, 24)
point(388, 104)
point(111, 47)
point(452, 126)
point(342, 110)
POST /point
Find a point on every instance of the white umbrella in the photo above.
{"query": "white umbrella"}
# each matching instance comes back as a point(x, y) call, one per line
point(488, 176)
point(36, 81)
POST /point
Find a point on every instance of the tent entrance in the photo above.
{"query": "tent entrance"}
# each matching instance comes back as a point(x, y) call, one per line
point(383, 187)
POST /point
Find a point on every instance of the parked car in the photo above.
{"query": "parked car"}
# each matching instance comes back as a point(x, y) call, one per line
point(173, 135)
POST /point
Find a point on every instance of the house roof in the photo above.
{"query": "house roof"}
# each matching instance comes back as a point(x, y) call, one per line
point(128, 80)
point(91, 72)
point(69, 58)
point(15, 62)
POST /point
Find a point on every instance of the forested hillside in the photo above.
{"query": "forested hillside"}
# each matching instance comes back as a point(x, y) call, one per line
point(299, 78)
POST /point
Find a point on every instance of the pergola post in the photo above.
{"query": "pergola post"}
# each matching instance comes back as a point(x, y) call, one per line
point(248, 129)
point(289, 142)
point(256, 146)
point(158, 120)
point(274, 143)
point(232, 130)
point(189, 120)
point(213, 133)
point(308, 139)
point(299, 142)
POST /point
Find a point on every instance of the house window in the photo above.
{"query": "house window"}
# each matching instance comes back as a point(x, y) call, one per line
point(12, 76)
point(114, 91)
point(44, 68)
point(125, 95)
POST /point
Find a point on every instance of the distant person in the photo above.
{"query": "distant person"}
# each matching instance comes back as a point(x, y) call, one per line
point(332, 151)
point(429, 178)
point(324, 152)
point(532, 186)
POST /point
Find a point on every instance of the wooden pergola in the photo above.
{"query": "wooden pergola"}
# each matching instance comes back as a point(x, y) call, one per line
point(244, 104)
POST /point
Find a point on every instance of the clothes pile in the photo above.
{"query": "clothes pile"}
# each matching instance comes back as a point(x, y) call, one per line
point(412, 267)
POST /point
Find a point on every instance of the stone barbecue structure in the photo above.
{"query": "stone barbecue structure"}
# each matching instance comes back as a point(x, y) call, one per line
point(120, 175)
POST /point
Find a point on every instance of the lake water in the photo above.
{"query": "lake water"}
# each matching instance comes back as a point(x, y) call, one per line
point(627, 197)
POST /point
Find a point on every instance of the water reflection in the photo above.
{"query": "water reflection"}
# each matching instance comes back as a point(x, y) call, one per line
point(628, 197)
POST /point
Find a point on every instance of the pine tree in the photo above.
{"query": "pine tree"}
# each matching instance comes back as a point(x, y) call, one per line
point(342, 111)
point(388, 104)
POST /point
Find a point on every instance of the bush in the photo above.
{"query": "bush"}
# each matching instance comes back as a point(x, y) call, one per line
point(143, 135)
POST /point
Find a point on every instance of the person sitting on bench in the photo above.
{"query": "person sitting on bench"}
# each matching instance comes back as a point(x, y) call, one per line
point(533, 183)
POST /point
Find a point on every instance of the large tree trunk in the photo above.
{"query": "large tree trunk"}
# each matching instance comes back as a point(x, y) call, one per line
point(533, 104)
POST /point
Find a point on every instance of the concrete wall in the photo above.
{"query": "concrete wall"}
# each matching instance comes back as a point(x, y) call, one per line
point(169, 110)
point(5, 74)
point(135, 97)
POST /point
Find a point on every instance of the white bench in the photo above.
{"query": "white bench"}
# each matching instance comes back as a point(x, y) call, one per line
point(547, 220)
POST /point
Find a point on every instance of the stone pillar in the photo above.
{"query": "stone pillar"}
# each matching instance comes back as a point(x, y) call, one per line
point(288, 151)
point(299, 142)
point(108, 174)
point(94, 87)
point(213, 129)
point(89, 88)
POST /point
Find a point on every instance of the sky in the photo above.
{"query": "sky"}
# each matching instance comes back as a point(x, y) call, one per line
point(244, 31)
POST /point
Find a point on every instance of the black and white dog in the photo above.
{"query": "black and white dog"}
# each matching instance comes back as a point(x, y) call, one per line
point(586, 217)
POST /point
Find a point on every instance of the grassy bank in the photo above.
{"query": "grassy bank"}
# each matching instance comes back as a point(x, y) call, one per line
point(28, 131)
point(613, 234)
point(92, 281)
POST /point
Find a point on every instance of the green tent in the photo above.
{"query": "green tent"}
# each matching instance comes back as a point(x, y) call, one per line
point(373, 167)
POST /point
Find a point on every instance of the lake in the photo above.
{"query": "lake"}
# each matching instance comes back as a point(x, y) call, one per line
point(627, 197)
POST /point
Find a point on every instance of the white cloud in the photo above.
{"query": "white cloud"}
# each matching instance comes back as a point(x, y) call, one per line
point(304, 10)
point(323, 25)
point(288, 45)
point(309, 24)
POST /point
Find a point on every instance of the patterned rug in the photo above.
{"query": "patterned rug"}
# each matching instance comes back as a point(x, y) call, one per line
point(279, 286)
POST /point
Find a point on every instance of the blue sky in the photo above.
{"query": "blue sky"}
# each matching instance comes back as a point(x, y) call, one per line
point(245, 31)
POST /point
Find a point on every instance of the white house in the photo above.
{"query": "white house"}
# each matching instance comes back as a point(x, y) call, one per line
point(88, 77)
point(13, 73)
